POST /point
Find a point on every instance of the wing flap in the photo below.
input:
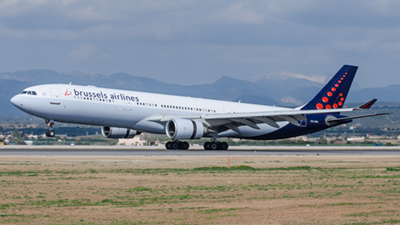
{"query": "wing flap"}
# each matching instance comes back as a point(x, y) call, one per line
point(290, 119)
point(246, 122)
point(267, 120)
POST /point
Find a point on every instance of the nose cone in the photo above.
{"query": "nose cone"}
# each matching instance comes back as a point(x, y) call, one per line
point(15, 101)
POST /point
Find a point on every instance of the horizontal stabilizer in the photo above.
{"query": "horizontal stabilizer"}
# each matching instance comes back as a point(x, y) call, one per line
point(368, 104)
point(356, 117)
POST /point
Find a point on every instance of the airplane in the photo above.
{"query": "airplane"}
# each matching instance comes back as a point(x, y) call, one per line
point(124, 114)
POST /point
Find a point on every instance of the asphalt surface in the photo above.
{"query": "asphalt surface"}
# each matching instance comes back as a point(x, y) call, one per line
point(141, 152)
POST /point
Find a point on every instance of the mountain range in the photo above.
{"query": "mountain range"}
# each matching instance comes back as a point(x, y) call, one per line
point(279, 88)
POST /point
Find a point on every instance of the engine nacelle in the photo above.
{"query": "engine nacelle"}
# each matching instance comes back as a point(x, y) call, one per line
point(117, 132)
point(329, 120)
point(184, 129)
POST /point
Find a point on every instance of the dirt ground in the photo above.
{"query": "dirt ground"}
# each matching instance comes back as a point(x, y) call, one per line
point(199, 190)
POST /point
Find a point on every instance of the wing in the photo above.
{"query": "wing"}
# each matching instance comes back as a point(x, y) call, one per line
point(251, 119)
point(223, 121)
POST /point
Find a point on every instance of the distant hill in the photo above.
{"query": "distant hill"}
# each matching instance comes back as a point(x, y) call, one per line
point(389, 93)
point(9, 88)
point(280, 88)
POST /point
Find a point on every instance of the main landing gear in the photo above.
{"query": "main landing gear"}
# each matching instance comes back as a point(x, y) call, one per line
point(216, 145)
point(177, 145)
point(50, 132)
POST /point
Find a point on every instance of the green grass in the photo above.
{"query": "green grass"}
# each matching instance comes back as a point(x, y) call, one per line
point(209, 169)
point(373, 213)
point(192, 208)
point(19, 173)
point(210, 211)
point(162, 196)
point(139, 189)
point(11, 215)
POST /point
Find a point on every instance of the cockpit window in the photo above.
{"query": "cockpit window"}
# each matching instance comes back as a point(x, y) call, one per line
point(28, 93)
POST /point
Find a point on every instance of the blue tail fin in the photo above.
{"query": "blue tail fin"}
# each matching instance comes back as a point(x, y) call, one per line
point(335, 91)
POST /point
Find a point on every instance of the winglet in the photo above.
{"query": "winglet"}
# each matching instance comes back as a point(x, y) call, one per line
point(368, 104)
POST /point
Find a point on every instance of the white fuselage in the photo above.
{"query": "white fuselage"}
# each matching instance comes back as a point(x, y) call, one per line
point(127, 109)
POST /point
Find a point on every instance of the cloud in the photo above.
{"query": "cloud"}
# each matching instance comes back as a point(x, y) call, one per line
point(237, 13)
point(83, 52)
point(105, 56)
point(160, 55)
point(357, 13)
point(272, 54)
point(230, 35)
point(198, 21)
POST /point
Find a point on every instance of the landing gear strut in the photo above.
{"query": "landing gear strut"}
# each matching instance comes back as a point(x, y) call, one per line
point(177, 145)
point(216, 145)
point(50, 132)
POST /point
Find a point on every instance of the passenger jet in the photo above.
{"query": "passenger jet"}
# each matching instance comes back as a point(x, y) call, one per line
point(124, 114)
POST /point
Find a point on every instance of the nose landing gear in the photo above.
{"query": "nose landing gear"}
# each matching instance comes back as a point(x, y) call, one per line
point(50, 132)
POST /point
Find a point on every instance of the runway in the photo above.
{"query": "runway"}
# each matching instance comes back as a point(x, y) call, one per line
point(76, 151)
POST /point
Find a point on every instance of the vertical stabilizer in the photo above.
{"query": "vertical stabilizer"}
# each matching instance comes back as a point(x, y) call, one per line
point(334, 94)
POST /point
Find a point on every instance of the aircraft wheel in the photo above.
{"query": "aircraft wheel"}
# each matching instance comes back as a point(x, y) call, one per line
point(207, 146)
point(223, 146)
point(180, 145)
point(214, 146)
point(185, 145)
point(168, 145)
point(174, 145)
point(50, 133)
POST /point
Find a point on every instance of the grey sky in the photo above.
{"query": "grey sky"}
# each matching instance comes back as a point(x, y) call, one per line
point(191, 42)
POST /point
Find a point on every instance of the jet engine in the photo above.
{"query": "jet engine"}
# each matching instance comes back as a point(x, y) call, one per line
point(330, 120)
point(117, 132)
point(184, 129)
